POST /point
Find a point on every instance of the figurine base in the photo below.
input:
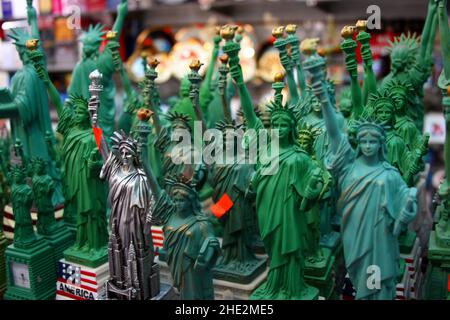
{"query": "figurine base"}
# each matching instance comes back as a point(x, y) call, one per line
point(60, 241)
point(330, 240)
point(308, 293)
point(438, 270)
point(3, 245)
point(79, 282)
point(41, 272)
point(88, 259)
point(167, 292)
point(255, 268)
point(321, 276)
point(226, 290)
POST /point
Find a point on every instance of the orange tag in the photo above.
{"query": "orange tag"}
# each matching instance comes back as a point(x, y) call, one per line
point(222, 206)
point(98, 136)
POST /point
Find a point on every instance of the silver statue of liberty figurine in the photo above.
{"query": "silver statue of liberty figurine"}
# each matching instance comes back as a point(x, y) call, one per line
point(133, 273)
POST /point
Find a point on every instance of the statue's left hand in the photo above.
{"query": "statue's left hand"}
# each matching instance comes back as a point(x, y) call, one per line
point(315, 184)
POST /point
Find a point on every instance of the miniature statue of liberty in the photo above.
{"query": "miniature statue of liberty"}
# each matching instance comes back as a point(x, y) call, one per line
point(411, 60)
point(22, 200)
point(28, 108)
point(306, 139)
point(284, 191)
point(92, 59)
point(130, 243)
point(85, 192)
point(232, 176)
point(192, 249)
point(374, 201)
point(43, 188)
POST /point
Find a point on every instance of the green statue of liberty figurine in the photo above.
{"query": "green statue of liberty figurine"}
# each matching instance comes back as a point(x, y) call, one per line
point(232, 177)
point(375, 204)
point(92, 59)
point(28, 108)
point(306, 139)
point(411, 61)
point(22, 200)
point(58, 236)
point(192, 249)
point(439, 246)
point(85, 193)
point(284, 191)
point(43, 188)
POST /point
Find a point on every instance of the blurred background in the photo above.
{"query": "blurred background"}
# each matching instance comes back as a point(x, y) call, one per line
point(176, 31)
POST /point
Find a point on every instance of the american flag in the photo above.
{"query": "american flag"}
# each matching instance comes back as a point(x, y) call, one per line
point(158, 238)
point(76, 276)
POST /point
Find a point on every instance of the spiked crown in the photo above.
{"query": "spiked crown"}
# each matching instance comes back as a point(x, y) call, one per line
point(93, 35)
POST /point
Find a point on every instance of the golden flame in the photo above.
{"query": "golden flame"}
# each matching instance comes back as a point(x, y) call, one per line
point(224, 58)
point(291, 28)
point(361, 25)
point(279, 77)
point(144, 114)
point(278, 32)
point(348, 32)
point(32, 44)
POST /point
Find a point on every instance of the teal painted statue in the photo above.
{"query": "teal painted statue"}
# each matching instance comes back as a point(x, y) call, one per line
point(374, 202)
point(92, 59)
point(192, 249)
point(26, 103)
point(282, 196)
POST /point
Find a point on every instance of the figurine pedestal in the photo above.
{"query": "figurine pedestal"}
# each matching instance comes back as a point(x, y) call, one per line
point(321, 275)
point(438, 271)
point(91, 260)
point(3, 245)
point(222, 289)
point(79, 282)
point(258, 267)
point(60, 241)
point(31, 272)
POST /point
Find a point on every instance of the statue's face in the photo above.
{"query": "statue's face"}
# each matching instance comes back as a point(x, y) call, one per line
point(345, 107)
point(90, 47)
point(305, 141)
point(126, 156)
point(399, 97)
point(399, 58)
point(384, 113)
point(369, 145)
point(181, 200)
point(81, 115)
point(19, 177)
point(283, 126)
point(40, 167)
point(316, 105)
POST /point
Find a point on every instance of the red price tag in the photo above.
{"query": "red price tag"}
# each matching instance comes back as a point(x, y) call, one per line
point(222, 206)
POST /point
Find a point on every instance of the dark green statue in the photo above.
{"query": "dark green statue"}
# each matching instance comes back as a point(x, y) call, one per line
point(26, 103)
point(282, 196)
point(189, 241)
point(92, 59)
point(232, 177)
